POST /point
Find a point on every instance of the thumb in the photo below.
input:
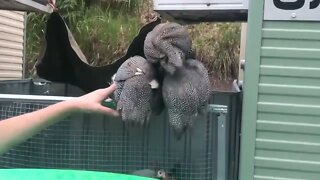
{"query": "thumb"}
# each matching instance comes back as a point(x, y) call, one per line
point(108, 111)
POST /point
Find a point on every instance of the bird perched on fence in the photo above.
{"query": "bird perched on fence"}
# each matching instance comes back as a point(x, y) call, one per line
point(137, 90)
point(185, 87)
point(61, 60)
point(185, 95)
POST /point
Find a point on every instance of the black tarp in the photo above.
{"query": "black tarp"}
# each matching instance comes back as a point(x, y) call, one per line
point(61, 60)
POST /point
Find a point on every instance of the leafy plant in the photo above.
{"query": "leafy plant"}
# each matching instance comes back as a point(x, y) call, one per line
point(102, 32)
point(218, 47)
point(104, 28)
point(104, 36)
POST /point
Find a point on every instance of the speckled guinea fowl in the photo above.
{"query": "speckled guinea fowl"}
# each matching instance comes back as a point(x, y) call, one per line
point(185, 95)
point(136, 88)
point(186, 83)
point(168, 44)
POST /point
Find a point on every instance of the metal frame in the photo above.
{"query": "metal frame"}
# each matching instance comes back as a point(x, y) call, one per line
point(108, 102)
point(212, 108)
point(200, 5)
point(24, 46)
point(194, 11)
point(34, 97)
point(250, 95)
point(25, 5)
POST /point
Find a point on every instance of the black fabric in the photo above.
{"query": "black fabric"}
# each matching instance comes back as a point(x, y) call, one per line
point(59, 62)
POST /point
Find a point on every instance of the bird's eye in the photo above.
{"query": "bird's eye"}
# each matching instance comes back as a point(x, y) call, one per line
point(160, 173)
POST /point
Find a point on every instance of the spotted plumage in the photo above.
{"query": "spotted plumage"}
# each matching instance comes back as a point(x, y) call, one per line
point(168, 44)
point(185, 95)
point(185, 87)
point(136, 88)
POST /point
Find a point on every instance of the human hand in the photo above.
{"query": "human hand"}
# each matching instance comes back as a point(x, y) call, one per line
point(91, 102)
point(52, 3)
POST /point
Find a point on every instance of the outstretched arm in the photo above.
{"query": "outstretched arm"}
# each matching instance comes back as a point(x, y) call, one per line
point(18, 129)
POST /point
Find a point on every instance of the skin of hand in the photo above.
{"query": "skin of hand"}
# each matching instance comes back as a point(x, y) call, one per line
point(92, 102)
point(52, 3)
point(18, 129)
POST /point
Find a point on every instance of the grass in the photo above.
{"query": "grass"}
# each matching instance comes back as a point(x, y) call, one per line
point(35, 32)
point(104, 30)
point(218, 47)
point(108, 39)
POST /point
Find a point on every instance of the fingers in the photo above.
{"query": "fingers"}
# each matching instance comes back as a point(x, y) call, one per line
point(108, 111)
point(112, 87)
point(92, 101)
point(107, 91)
point(52, 3)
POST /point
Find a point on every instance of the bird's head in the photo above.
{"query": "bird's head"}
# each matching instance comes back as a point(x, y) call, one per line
point(161, 174)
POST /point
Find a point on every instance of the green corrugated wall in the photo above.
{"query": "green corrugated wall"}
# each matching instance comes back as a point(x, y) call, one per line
point(281, 111)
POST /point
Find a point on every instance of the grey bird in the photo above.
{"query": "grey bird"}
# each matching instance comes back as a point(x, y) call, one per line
point(145, 173)
point(168, 44)
point(186, 94)
point(137, 89)
point(159, 174)
point(162, 174)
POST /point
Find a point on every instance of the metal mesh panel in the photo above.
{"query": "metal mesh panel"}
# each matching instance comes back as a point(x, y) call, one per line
point(96, 142)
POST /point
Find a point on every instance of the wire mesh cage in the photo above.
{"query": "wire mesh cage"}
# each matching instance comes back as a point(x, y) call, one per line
point(96, 142)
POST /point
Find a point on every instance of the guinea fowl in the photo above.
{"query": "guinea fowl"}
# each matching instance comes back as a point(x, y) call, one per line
point(168, 44)
point(185, 87)
point(185, 95)
point(137, 90)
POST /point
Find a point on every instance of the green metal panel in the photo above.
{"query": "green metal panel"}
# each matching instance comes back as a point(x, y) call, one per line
point(250, 96)
point(281, 111)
